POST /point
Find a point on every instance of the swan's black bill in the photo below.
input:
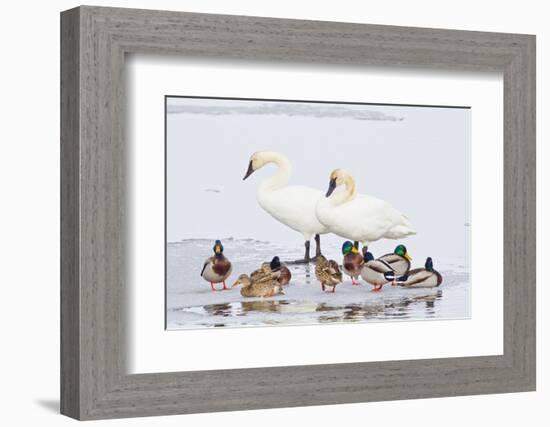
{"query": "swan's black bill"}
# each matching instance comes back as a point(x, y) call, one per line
point(331, 187)
point(250, 170)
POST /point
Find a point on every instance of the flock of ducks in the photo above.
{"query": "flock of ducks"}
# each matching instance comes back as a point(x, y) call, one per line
point(266, 281)
point(271, 277)
point(358, 218)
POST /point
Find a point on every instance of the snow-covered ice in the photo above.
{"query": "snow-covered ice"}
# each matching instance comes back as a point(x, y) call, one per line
point(191, 304)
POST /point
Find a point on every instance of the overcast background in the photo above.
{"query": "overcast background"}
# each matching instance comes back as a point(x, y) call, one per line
point(416, 158)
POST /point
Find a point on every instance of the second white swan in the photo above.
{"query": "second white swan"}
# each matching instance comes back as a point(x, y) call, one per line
point(359, 217)
point(294, 205)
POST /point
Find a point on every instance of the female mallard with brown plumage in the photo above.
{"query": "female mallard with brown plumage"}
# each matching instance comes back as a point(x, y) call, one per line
point(425, 277)
point(399, 260)
point(217, 268)
point(262, 274)
point(327, 272)
point(375, 270)
point(353, 261)
point(265, 288)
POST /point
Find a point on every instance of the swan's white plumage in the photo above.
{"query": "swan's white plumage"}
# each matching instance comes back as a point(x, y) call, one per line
point(360, 217)
point(293, 206)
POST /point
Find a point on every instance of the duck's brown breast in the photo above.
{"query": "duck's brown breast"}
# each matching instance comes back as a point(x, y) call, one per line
point(221, 265)
point(284, 275)
point(353, 263)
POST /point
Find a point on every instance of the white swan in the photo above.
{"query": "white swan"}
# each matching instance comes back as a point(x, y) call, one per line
point(294, 206)
point(359, 217)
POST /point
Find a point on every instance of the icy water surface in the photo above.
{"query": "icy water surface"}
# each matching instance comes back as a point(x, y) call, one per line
point(191, 304)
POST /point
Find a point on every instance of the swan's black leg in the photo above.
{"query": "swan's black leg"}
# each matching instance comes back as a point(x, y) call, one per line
point(306, 258)
point(306, 255)
point(317, 245)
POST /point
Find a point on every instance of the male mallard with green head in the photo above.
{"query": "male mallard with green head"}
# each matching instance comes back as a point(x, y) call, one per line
point(217, 268)
point(265, 288)
point(353, 261)
point(327, 272)
point(425, 277)
point(399, 260)
point(374, 271)
point(280, 271)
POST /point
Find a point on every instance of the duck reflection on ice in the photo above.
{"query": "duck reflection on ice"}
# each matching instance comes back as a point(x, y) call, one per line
point(404, 308)
point(218, 309)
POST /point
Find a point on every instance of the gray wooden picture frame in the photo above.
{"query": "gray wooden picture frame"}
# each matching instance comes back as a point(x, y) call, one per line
point(94, 381)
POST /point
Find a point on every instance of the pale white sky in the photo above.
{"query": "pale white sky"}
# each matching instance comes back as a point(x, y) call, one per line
point(416, 158)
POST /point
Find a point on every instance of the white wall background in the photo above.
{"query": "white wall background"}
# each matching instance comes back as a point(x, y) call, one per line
point(29, 229)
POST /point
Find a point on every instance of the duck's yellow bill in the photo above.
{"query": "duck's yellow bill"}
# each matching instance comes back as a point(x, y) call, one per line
point(408, 257)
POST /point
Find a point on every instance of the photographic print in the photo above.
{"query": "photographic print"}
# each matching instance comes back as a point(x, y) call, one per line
point(292, 212)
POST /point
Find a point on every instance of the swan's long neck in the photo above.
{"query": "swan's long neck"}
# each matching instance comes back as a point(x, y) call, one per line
point(348, 194)
point(282, 175)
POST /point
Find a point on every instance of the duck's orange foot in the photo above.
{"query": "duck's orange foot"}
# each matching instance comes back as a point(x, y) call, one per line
point(225, 288)
point(377, 288)
point(354, 282)
point(213, 287)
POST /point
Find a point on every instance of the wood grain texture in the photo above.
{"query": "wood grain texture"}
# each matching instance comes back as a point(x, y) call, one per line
point(94, 272)
point(70, 221)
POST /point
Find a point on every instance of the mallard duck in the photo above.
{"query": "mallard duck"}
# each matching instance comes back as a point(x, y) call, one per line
point(281, 271)
point(374, 271)
point(400, 260)
point(217, 268)
point(353, 261)
point(425, 277)
point(265, 288)
point(394, 278)
point(262, 274)
point(359, 217)
point(272, 270)
point(327, 272)
point(292, 205)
